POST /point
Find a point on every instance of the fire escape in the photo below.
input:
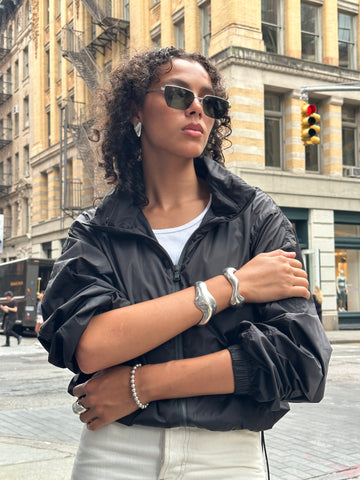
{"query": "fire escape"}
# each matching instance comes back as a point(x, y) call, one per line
point(5, 131)
point(81, 49)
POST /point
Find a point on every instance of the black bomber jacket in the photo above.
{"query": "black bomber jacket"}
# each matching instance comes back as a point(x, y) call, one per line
point(111, 259)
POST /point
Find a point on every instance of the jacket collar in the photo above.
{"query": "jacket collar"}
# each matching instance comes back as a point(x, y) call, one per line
point(230, 195)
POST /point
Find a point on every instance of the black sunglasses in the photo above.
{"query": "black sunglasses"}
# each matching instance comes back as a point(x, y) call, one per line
point(181, 98)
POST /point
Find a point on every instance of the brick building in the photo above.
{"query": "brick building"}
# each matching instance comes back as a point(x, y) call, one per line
point(53, 54)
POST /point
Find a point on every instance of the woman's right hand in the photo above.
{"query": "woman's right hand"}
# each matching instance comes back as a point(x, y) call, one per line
point(272, 276)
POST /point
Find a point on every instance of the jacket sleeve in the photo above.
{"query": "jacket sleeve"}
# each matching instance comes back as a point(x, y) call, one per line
point(284, 354)
point(81, 286)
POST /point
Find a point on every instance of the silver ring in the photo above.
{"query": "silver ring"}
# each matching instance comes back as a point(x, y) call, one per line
point(77, 408)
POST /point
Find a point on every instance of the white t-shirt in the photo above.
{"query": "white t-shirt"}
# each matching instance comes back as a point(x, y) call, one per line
point(174, 239)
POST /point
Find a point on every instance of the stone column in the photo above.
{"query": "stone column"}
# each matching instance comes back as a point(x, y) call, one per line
point(192, 26)
point(40, 198)
point(140, 27)
point(332, 137)
point(292, 17)
point(294, 148)
point(37, 79)
point(167, 28)
point(330, 32)
point(247, 117)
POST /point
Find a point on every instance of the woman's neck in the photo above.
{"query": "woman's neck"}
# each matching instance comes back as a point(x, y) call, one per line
point(175, 193)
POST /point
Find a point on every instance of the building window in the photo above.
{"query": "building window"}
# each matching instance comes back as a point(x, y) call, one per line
point(205, 27)
point(47, 55)
point(2, 175)
point(9, 79)
point(26, 112)
point(271, 25)
point(7, 134)
point(310, 32)
point(16, 123)
point(179, 33)
point(273, 129)
point(10, 37)
point(156, 37)
point(312, 158)
point(46, 247)
point(8, 170)
point(16, 74)
point(26, 216)
point(26, 62)
point(349, 135)
point(48, 124)
point(8, 223)
point(126, 9)
point(26, 160)
point(347, 262)
point(16, 167)
point(47, 12)
point(59, 63)
point(346, 40)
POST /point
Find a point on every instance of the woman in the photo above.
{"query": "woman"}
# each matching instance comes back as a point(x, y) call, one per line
point(188, 363)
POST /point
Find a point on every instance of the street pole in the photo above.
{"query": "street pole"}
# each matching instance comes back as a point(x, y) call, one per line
point(326, 88)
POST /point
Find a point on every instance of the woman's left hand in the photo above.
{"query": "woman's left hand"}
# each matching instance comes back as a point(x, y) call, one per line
point(107, 397)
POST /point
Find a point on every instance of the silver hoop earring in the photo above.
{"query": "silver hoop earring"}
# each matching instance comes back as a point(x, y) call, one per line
point(137, 128)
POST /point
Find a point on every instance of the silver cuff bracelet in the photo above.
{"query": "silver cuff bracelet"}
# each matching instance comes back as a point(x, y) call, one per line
point(236, 298)
point(204, 302)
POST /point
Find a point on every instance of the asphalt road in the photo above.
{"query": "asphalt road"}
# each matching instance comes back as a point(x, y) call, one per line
point(39, 432)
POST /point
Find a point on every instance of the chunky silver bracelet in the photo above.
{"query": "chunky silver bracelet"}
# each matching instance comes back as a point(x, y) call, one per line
point(236, 298)
point(204, 302)
point(133, 388)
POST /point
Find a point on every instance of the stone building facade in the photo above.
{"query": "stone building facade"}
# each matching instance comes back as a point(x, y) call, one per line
point(268, 51)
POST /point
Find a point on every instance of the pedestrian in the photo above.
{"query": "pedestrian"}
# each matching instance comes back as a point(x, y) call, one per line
point(163, 301)
point(10, 317)
point(318, 299)
point(39, 317)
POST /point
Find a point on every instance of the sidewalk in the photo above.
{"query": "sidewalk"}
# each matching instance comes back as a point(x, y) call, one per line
point(343, 336)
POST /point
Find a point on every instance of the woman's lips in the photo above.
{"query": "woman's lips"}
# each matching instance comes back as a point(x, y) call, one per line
point(193, 129)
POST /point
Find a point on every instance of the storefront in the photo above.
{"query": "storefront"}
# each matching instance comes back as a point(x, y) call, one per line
point(347, 267)
point(345, 282)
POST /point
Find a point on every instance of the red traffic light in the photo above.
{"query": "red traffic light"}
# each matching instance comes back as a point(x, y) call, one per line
point(308, 109)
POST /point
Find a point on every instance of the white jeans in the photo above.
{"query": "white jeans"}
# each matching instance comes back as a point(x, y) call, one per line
point(117, 452)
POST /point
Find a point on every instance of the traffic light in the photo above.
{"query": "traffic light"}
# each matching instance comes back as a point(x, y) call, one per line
point(309, 127)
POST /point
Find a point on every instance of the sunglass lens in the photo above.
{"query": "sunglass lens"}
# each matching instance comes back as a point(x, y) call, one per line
point(215, 107)
point(177, 97)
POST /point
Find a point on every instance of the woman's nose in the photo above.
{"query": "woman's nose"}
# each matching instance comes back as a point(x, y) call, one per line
point(196, 106)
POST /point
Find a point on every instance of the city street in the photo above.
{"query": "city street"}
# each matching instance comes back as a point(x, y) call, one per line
point(39, 432)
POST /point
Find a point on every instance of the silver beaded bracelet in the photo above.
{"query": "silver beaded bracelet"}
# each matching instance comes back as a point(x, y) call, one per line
point(133, 388)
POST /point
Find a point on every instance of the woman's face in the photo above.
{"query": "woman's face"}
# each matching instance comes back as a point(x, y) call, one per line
point(167, 131)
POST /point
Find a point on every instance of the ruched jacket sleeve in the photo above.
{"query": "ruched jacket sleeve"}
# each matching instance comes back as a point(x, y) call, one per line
point(284, 354)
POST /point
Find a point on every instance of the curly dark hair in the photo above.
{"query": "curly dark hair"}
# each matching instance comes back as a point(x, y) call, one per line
point(116, 103)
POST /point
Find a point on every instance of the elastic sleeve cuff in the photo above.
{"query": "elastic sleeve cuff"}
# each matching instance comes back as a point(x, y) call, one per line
point(242, 370)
